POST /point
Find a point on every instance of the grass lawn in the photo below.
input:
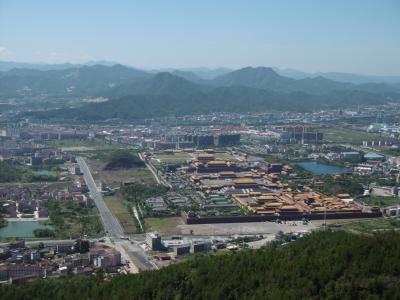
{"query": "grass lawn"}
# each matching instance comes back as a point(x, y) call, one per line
point(348, 136)
point(173, 158)
point(163, 225)
point(381, 201)
point(120, 211)
point(368, 225)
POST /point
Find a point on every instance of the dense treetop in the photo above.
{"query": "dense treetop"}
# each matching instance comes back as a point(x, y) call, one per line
point(323, 265)
point(121, 159)
point(11, 173)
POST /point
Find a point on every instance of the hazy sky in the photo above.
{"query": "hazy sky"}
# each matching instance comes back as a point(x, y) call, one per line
point(313, 35)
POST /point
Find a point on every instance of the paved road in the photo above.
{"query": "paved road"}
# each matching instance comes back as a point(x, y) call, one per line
point(112, 226)
point(137, 256)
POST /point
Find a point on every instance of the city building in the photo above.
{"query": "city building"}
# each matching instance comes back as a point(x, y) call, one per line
point(300, 134)
point(182, 249)
point(153, 240)
point(200, 246)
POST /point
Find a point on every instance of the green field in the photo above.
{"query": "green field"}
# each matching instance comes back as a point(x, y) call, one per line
point(120, 211)
point(347, 135)
point(368, 225)
point(225, 156)
point(381, 201)
point(162, 225)
point(172, 158)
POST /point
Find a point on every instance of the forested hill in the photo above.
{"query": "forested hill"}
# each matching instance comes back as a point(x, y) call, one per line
point(235, 99)
point(323, 265)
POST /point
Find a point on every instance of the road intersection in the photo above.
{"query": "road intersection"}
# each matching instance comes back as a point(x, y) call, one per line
point(130, 250)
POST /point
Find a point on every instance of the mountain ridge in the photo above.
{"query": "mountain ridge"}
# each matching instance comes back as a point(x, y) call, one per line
point(244, 90)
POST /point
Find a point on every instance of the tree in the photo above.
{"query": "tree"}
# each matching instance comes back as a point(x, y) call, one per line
point(123, 159)
point(321, 265)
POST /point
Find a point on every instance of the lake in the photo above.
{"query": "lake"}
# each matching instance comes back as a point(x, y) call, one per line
point(317, 168)
point(21, 229)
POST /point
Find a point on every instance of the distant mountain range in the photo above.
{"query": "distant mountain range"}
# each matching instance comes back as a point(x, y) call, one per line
point(209, 73)
point(267, 78)
point(134, 93)
point(339, 76)
point(71, 82)
point(9, 65)
point(246, 90)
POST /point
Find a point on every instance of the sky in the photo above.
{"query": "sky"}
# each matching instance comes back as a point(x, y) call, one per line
point(358, 36)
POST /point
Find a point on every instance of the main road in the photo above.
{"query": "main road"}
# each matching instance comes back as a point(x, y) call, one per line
point(111, 225)
point(130, 251)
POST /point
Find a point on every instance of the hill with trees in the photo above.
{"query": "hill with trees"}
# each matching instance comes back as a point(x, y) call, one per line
point(322, 265)
point(123, 159)
point(267, 78)
point(237, 99)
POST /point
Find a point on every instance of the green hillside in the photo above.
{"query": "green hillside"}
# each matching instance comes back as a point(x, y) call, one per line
point(323, 265)
point(221, 99)
point(121, 159)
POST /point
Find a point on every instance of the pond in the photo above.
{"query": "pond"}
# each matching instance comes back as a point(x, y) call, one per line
point(20, 229)
point(42, 172)
point(317, 168)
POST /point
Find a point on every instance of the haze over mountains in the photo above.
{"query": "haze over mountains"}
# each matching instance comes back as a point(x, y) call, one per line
point(135, 93)
point(211, 73)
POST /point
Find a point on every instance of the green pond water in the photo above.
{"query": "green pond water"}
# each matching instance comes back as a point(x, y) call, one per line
point(317, 168)
point(20, 229)
point(42, 172)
